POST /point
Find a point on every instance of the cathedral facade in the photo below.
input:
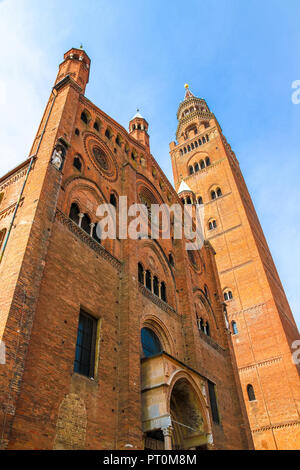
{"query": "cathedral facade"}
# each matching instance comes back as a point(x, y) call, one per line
point(124, 343)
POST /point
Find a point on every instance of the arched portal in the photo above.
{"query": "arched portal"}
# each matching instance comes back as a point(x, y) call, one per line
point(187, 417)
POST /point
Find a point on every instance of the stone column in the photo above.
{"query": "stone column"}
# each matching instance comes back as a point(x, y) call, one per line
point(167, 432)
point(81, 215)
point(92, 225)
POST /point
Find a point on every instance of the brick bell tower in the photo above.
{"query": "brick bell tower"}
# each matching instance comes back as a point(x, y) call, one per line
point(262, 325)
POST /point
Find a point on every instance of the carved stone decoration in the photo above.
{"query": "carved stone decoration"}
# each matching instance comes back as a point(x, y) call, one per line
point(57, 158)
point(101, 156)
point(71, 424)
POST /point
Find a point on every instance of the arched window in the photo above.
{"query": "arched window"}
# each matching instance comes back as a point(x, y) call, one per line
point(184, 149)
point(203, 140)
point(228, 295)
point(196, 167)
point(192, 145)
point(113, 200)
point(141, 273)
point(84, 117)
point(207, 138)
point(74, 212)
point(200, 200)
point(108, 133)
point(212, 224)
point(234, 328)
point(155, 286)
point(196, 144)
point(207, 329)
point(118, 140)
point(86, 224)
point(207, 161)
point(96, 126)
point(148, 280)
point(191, 170)
point(171, 260)
point(1, 197)
point(202, 164)
point(183, 201)
point(150, 343)
point(2, 236)
point(213, 194)
point(188, 200)
point(77, 163)
point(250, 392)
point(189, 148)
point(219, 192)
point(163, 292)
point(95, 233)
point(200, 142)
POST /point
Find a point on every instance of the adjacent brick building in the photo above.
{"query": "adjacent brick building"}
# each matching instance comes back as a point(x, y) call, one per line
point(262, 324)
point(125, 344)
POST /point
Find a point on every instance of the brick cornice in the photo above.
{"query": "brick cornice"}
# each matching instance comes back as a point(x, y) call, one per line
point(284, 424)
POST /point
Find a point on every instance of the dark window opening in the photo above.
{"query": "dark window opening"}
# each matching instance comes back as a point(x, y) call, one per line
point(74, 213)
point(77, 163)
point(141, 273)
point(250, 392)
point(171, 259)
point(84, 117)
point(207, 161)
point(86, 224)
point(96, 126)
point(207, 329)
point(148, 280)
point(95, 234)
point(77, 132)
point(107, 133)
point(163, 291)
point(213, 195)
point(118, 141)
point(219, 192)
point(155, 286)
point(202, 164)
point(150, 343)
point(84, 362)
point(200, 200)
point(213, 402)
point(113, 200)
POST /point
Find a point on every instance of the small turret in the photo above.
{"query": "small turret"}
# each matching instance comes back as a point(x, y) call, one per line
point(76, 64)
point(138, 128)
point(185, 193)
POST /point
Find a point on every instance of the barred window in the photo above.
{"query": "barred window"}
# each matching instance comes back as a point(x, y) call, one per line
point(84, 362)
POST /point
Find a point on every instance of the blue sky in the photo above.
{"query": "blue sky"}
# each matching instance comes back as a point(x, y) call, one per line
point(242, 57)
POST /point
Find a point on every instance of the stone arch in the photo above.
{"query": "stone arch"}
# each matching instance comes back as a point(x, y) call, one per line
point(160, 329)
point(188, 408)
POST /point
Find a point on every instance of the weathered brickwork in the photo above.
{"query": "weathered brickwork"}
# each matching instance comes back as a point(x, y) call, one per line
point(53, 267)
point(257, 303)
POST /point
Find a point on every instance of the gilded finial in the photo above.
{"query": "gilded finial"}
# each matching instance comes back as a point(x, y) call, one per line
point(186, 86)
